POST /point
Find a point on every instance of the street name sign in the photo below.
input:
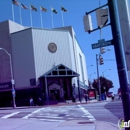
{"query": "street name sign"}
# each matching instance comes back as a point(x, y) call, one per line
point(101, 43)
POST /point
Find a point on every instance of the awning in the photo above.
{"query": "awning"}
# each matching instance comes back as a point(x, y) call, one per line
point(60, 71)
point(83, 86)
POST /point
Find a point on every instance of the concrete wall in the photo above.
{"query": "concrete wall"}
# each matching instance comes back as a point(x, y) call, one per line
point(30, 55)
point(23, 58)
point(6, 28)
point(76, 50)
point(44, 59)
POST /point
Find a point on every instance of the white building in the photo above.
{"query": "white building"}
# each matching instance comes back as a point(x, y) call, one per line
point(47, 63)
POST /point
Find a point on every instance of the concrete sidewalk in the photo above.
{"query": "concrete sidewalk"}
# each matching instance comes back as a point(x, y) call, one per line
point(23, 124)
point(59, 104)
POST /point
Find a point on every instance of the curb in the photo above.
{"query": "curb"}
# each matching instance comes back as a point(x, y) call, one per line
point(54, 105)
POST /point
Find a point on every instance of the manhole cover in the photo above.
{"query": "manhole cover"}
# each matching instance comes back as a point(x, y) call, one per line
point(88, 122)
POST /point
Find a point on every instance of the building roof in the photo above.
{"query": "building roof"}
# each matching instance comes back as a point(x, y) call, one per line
point(60, 71)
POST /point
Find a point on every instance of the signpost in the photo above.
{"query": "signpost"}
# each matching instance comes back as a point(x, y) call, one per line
point(13, 93)
point(102, 43)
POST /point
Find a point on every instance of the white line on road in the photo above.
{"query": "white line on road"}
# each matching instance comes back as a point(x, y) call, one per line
point(26, 117)
point(86, 112)
point(51, 120)
point(50, 117)
point(9, 115)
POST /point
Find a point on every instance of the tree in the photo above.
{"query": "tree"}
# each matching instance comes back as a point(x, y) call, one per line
point(105, 84)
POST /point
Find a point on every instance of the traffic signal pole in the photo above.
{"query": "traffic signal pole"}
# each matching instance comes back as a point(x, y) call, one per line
point(120, 60)
point(99, 86)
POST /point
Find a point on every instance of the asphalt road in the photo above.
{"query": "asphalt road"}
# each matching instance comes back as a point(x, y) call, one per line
point(106, 111)
point(101, 111)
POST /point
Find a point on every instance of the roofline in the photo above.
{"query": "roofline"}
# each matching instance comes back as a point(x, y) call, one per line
point(40, 29)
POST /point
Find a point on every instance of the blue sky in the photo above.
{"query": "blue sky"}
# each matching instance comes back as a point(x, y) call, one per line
point(74, 17)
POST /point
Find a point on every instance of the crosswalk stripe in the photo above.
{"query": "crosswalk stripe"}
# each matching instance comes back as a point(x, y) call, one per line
point(9, 115)
point(86, 112)
point(50, 117)
point(26, 117)
point(52, 120)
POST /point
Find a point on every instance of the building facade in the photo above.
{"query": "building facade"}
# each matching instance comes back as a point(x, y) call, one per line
point(48, 64)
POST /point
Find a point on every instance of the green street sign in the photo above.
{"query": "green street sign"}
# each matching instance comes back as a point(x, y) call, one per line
point(101, 43)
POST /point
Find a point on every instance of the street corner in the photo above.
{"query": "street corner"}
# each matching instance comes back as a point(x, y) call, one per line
point(76, 124)
point(102, 125)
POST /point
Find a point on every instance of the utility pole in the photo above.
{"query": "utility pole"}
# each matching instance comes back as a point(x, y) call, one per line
point(99, 86)
point(119, 59)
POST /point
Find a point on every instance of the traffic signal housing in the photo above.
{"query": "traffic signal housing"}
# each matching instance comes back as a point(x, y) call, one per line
point(101, 60)
point(102, 50)
point(87, 23)
point(102, 17)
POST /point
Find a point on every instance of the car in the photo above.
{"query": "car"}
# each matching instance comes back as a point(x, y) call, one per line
point(109, 94)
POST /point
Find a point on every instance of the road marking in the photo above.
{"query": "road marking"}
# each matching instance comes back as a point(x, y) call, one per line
point(50, 117)
point(52, 120)
point(9, 115)
point(86, 112)
point(70, 118)
point(27, 116)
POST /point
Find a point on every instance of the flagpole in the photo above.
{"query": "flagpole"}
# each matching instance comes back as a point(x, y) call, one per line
point(20, 14)
point(62, 18)
point(52, 19)
point(13, 12)
point(41, 18)
point(30, 15)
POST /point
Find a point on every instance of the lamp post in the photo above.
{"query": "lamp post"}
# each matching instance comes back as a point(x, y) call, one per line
point(104, 72)
point(12, 78)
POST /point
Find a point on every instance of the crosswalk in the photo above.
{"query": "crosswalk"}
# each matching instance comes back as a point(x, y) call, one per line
point(49, 114)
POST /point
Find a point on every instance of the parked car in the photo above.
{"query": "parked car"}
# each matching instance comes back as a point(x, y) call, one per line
point(109, 94)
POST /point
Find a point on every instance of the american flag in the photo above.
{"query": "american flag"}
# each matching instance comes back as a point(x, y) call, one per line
point(63, 9)
point(33, 8)
point(43, 9)
point(23, 6)
point(15, 2)
point(54, 11)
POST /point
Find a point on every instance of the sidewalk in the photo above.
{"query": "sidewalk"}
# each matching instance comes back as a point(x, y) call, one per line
point(59, 104)
point(23, 124)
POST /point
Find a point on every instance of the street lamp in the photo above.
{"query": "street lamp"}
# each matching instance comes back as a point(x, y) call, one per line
point(12, 79)
point(104, 72)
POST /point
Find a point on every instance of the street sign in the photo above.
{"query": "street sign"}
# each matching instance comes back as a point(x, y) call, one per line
point(102, 43)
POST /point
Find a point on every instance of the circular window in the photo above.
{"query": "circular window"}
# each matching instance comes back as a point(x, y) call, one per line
point(52, 47)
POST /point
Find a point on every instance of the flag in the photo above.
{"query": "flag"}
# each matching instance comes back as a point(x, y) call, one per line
point(15, 2)
point(54, 11)
point(23, 6)
point(43, 9)
point(33, 8)
point(63, 9)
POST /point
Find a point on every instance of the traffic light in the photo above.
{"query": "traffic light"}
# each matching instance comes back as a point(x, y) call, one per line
point(87, 23)
point(102, 50)
point(102, 17)
point(101, 60)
